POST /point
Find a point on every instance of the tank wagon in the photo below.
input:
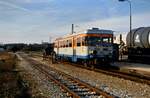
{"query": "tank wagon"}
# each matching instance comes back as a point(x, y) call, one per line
point(90, 47)
point(139, 44)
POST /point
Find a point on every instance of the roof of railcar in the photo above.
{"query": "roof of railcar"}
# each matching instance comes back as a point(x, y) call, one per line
point(89, 31)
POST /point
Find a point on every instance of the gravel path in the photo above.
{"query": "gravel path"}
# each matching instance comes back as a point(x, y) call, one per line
point(38, 82)
point(117, 86)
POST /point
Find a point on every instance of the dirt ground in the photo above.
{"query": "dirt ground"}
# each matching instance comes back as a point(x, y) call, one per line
point(11, 82)
point(7, 61)
point(15, 82)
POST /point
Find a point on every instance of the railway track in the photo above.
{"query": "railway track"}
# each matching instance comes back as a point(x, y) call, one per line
point(116, 73)
point(71, 86)
point(133, 76)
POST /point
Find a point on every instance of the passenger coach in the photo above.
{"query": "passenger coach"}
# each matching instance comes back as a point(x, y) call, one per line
point(92, 46)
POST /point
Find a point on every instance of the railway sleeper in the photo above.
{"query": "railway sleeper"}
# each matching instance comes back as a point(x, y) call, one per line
point(83, 94)
point(70, 92)
point(82, 90)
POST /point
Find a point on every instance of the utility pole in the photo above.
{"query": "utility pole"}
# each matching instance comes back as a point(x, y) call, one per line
point(72, 28)
point(49, 39)
point(130, 4)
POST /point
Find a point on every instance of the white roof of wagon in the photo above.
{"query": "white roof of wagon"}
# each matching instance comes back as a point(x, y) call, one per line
point(93, 31)
point(89, 31)
point(99, 31)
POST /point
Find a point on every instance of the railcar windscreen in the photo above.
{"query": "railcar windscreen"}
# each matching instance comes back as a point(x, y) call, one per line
point(93, 41)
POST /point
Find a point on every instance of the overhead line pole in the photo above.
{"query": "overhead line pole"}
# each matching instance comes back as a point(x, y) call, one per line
point(130, 18)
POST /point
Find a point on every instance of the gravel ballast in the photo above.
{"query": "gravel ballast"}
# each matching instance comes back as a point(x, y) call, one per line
point(39, 84)
point(117, 86)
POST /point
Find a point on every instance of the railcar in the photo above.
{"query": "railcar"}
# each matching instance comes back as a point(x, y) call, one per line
point(92, 46)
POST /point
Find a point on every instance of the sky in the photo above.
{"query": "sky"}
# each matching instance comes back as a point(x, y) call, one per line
point(33, 21)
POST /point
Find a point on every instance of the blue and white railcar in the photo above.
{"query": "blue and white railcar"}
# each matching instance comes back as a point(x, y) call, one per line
point(93, 44)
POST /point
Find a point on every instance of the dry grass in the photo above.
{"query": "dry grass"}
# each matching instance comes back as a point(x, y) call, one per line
point(5, 55)
point(7, 61)
point(8, 87)
point(8, 79)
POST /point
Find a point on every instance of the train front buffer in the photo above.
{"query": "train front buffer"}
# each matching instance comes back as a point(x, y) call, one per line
point(101, 54)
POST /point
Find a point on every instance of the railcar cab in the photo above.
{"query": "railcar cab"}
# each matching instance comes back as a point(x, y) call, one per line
point(98, 45)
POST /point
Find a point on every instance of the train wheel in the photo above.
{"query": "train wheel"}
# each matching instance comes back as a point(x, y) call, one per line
point(91, 63)
point(92, 66)
point(85, 63)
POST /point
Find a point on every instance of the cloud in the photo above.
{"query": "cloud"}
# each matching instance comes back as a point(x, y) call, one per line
point(37, 1)
point(35, 20)
point(14, 6)
point(120, 23)
point(37, 32)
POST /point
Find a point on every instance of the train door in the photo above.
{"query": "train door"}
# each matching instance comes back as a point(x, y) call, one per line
point(74, 57)
point(58, 48)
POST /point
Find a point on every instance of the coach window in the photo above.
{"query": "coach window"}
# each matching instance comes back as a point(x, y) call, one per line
point(59, 44)
point(83, 41)
point(63, 44)
point(78, 41)
point(67, 43)
point(70, 43)
point(55, 45)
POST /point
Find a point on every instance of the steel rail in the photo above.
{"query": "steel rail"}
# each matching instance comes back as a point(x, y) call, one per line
point(115, 73)
point(64, 87)
point(72, 94)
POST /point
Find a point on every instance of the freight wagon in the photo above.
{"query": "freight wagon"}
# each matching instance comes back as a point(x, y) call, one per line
point(138, 43)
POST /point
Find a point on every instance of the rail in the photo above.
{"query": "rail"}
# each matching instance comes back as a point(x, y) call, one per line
point(74, 87)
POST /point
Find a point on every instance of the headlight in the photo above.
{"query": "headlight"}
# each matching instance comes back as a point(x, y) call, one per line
point(91, 56)
point(90, 51)
point(110, 52)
